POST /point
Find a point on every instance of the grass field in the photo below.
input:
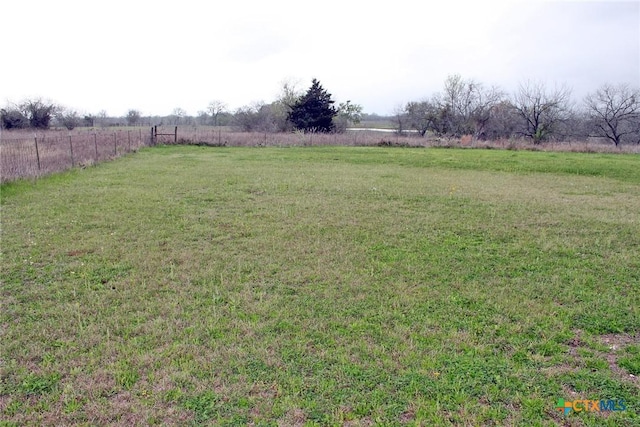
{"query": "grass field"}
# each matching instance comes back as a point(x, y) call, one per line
point(323, 286)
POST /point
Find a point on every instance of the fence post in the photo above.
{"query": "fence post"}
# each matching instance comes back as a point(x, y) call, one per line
point(175, 135)
point(115, 144)
point(71, 151)
point(151, 140)
point(37, 152)
point(129, 139)
point(95, 143)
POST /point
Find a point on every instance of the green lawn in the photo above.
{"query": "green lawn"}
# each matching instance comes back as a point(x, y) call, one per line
point(322, 286)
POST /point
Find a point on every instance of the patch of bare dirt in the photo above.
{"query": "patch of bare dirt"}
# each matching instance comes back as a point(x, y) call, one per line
point(293, 418)
point(407, 416)
point(616, 343)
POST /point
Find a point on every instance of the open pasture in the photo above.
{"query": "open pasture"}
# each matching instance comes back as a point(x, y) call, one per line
point(322, 286)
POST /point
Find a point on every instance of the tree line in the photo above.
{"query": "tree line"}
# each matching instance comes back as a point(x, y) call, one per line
point(463, 107)
point(311, 111)
point(533, 111)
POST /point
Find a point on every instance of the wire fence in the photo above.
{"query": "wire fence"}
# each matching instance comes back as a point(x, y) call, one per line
point(24, 156)
point(368, 137)
point(222, 136)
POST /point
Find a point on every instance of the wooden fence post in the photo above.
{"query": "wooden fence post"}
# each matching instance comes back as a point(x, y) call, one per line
point(37, 152)
point(175, 135)
point(71, 151)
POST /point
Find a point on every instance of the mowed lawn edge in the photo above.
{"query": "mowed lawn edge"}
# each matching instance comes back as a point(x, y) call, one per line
point(323, 286)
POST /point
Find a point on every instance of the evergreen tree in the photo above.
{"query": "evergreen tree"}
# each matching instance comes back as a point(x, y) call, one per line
point(314, 111)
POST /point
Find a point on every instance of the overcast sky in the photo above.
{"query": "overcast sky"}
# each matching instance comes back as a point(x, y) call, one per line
point(155, 56)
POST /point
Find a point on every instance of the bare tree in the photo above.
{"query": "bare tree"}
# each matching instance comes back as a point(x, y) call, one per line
point(103, 117)
point(433, 115)
point(483, 107)
point(465, 107)
point(614, 112)
point(504, 122)
point(541, 110)
point(468, 104)
point(68, 118)
point(133, 117)
point(215, 108)
point(420, 115)
point(257, 117)
point(289, 94)
point(400, 118)
point(348, 114)
point(178, 115)
point(458, 99)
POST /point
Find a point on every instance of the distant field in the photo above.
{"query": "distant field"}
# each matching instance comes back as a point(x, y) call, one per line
point(323, 286)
